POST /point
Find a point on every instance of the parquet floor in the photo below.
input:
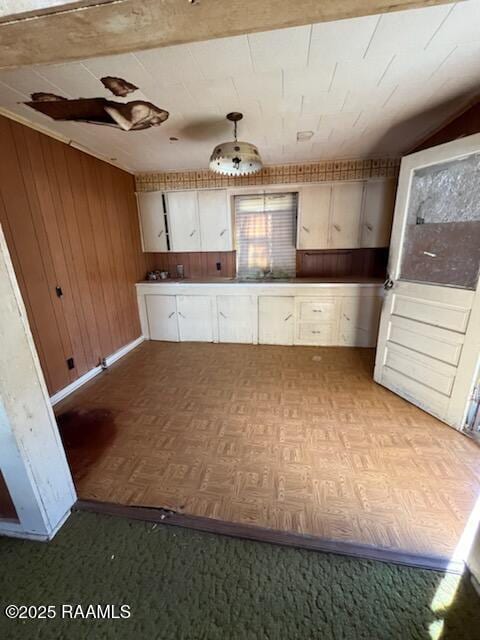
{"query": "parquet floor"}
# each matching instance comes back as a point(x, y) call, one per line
point(292, 438)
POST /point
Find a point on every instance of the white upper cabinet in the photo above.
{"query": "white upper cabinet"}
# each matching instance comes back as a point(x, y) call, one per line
point(199, 220)
point(346, 215)
point(378, 213)
point(215, 220)
point(313, 217)
point(152, 221)
point(183, 221)
point(339, 215)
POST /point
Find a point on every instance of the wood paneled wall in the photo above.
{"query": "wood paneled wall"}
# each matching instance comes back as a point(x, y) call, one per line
point(339, 263)
point(196, 264)
point(327, 263)
point(70, 221)
point(465, 124)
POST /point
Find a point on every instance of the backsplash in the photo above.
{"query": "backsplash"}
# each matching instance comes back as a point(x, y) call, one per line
point(196, 264)
point(324, 171)
point(325, 263)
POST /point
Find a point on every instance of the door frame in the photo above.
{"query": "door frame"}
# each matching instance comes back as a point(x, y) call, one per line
point(32, 457)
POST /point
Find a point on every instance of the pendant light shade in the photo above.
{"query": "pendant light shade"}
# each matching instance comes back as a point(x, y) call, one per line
point(235, 158)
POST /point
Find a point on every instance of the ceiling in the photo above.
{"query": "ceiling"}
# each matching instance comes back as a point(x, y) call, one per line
point(366, 86)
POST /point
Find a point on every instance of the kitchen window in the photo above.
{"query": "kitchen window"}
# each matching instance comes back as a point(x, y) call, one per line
point(266, 235)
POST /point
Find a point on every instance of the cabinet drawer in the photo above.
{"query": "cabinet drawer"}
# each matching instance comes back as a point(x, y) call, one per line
point(315, 332)
point(316, 310)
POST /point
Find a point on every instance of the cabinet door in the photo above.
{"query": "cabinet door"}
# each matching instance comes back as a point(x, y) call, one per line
point(215, 227)
point(152, 221)
point(313, 216)
point(183, 221)
point(346, 214)
point(359, 321)
point(195, 318)
point(378, 213)
point(162, 317)
point(276, 319)
point(235, 319)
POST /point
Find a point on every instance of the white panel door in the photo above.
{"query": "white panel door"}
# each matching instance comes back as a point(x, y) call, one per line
point(235, 318)
point(378, 213)
point(313, 217)
point(152, 221)
point(162, 317)
point(195, 320)
point(215, 224)
point(428, 347)
point(346, 214)
point(276, 317)
point(183, 223)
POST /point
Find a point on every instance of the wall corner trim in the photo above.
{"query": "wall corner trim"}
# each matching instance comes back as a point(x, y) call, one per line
point(76, 384)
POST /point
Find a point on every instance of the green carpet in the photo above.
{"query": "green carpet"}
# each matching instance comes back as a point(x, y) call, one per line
point(185, 584)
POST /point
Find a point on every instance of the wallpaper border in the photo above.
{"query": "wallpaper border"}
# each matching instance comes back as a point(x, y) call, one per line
point(325, 171)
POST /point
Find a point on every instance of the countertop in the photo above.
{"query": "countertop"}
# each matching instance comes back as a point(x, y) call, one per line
point(239, 281)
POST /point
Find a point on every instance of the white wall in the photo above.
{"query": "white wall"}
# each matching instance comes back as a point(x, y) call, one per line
point(32, 458)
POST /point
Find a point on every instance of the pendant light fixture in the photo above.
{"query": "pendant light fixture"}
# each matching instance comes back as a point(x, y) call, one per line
point(235, 158)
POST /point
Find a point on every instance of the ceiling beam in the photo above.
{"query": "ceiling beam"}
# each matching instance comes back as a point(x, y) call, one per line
point(64, 33)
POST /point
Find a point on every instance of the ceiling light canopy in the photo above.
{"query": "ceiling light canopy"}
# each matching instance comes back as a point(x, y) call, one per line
point(235, 158)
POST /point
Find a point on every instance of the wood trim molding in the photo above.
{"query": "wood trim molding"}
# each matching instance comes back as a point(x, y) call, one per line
point(109, 28)
point(261, 534)
point(76, 384)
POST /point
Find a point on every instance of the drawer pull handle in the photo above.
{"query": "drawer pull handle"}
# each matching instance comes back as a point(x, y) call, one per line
point(288, 317)
point(306, 229)
point(193, 233)
point(313, 331)
point(369, 226)
point(222, 232)
point(222, 314)
point(181, 315)
point(346, 317)
point(159, 234)
point(170, 315)
point(317, 310)
point(336, 226)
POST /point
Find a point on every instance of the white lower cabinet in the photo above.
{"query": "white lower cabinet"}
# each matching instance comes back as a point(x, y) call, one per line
point(195, 323)
point(162, 317)
point(236, 315)
point(337, 316)
point(359, 320)
point(276, 319)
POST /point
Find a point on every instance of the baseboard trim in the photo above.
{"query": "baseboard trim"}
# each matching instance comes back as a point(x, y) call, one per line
point(13, 529)
point(273, 536)
point(76, 384)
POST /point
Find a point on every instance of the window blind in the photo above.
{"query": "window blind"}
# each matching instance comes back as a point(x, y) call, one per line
point(265, 235)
